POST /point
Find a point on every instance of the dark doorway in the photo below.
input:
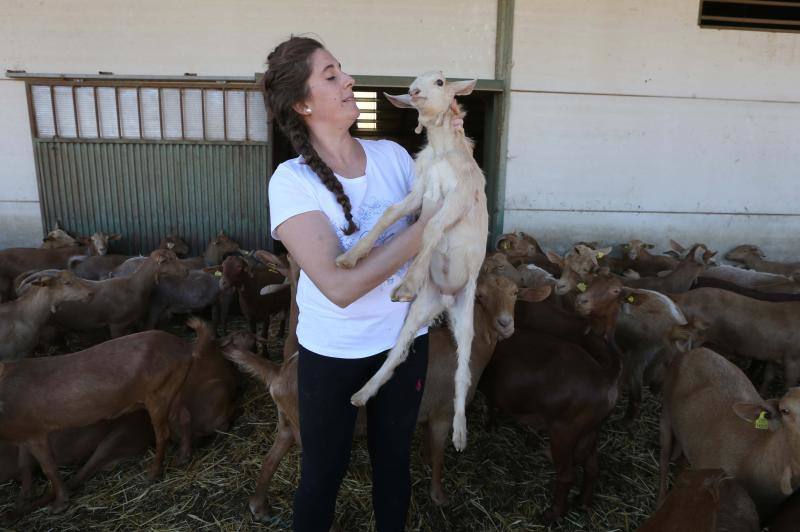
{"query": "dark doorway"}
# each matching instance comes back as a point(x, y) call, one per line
point(388, 122)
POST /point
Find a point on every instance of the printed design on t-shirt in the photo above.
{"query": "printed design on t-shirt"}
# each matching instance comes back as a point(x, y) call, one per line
point(365, 217)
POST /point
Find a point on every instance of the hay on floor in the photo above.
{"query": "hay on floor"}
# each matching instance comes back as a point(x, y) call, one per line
point(500, 482)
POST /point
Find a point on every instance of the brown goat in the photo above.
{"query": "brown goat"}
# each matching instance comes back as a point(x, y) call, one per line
point(522, 248)
point(549, 383)
point(714, 417)
point(119, 303)
point(248, 282)
point(40, 396)
point(752, 257)
point(203, 405)
point(682, 277)
point(739, 325)
point(647, 264)
point(705, 500)
point(15, 261)
point(175, 244)
point(22, 320)
point(493, 320)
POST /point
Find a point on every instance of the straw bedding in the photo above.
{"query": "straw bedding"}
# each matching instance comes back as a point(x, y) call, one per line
point(500, 482)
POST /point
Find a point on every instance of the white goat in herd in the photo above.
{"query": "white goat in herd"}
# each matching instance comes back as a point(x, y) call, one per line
point(444, 273)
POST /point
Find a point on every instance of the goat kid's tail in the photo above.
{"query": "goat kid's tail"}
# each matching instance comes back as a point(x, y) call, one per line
point(252, 364)
point(204, 345)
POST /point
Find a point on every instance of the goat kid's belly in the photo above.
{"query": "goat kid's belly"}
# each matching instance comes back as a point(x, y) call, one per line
point(458, 256)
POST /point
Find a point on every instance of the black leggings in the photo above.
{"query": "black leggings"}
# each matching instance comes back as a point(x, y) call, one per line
point(327, 423)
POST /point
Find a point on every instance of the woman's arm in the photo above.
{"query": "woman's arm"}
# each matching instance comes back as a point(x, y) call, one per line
point(313, 244)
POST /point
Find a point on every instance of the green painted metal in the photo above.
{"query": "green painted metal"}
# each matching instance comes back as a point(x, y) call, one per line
point(502, 70)
point(143, 190)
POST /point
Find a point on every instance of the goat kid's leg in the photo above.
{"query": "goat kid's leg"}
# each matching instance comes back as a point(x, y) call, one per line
point(407, 205)
point(461, 323)
point(40, 449)
point(159, 417)
point(284, 439)
point(634, 396)
point(587, 455)
point(563, 443)
point(791, 370)
point(420, 313)
point(26, 475)
point(185, 434)
point(437, 438)
point(666, 440)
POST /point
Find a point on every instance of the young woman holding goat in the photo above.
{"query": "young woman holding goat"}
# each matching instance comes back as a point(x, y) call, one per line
point(322, 203)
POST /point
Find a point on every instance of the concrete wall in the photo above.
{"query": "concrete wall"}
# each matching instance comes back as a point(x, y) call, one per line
point(213, 38)
point(628, 120)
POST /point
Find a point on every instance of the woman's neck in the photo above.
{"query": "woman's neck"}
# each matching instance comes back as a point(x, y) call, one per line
point(342, 153)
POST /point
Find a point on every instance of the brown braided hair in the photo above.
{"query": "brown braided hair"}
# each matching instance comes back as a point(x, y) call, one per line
point(284, 85)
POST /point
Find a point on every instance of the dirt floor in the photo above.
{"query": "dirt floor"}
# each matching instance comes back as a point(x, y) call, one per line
point(500, 482)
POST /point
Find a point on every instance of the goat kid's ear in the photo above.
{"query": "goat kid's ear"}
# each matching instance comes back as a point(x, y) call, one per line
point(676, 247)
point(403, 101)
point(115, 236)
point(462, 88)
point(632, 297)
point(555, 258)
point(535, 295)
point(750, 412)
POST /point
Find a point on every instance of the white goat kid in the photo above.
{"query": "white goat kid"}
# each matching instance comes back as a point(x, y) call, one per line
point(444, 274)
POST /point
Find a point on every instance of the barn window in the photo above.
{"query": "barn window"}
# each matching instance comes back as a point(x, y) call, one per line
point(764, 15)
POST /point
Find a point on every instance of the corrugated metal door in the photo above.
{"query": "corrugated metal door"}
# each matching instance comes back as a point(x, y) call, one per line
point(144, 160)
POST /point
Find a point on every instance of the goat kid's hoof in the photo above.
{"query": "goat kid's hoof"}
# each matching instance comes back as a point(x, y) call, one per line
point(153, 475)
point(346, 261)
point(360, 398)
point(256, 508)
point(183, 459)
point(58, 506)
point(550, 516)
point(460, 439)
point(403, 294)
point(439, 498)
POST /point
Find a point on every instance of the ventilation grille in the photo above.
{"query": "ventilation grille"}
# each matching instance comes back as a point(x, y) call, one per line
point(769, 15)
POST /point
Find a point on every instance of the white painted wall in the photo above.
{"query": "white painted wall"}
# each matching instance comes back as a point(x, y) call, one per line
point(232, 38)
point(628, 120)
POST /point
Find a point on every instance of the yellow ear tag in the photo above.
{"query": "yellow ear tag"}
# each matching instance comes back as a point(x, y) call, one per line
point(600, 255)
point(582, 287)
point(217, 274)
point(762, 423)
point(630, 299)
point(504, 244)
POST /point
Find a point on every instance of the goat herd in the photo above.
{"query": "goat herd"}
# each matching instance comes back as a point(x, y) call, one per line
point(557, 338)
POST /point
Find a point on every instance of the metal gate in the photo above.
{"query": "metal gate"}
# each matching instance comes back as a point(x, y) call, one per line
point(146, 159)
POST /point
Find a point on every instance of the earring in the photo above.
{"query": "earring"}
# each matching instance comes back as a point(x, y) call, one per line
point(308, 110)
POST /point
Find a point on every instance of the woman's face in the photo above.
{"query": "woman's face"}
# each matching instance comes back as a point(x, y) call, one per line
point(330, 93)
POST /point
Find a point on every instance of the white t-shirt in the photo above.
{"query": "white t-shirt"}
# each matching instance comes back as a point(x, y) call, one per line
point(372, 323)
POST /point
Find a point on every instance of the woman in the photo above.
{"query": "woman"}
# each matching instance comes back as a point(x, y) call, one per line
point(321, 203)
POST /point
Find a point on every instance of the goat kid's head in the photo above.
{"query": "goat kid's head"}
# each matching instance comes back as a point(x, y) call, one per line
point(167, 264)
point(778, 413)
point(174, 243)
point(604, 297)
point(744, 253)
point(99, 242)
point(576, 266)
point(218, 247)
point(497, 296)
point(517, 245)
point(64, 286)
point(58, 238)
point(235, 271)
point(433, 97)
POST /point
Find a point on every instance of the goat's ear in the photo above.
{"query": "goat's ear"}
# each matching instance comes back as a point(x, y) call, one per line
point(648, 246)
point(600, 253)
point(751, 412)
point(534, 295)
point(115, 236)
point(676, 247)
point(634, 297)
point(462, 88)
point(403, 101)
point(555, 258)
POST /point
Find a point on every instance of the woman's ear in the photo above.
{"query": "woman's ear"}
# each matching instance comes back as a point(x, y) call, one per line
point(302, 108)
